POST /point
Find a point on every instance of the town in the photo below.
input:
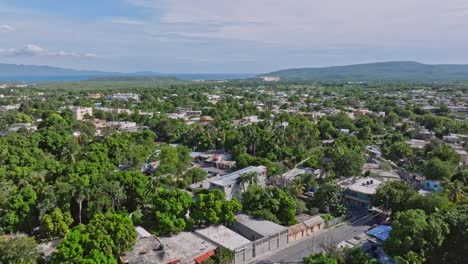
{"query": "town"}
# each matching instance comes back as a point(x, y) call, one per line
point(246, 171)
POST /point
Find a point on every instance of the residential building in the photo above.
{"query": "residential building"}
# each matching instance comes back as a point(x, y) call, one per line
point(267, 236)
point(231, 184)
point(306, 226)
point(224, 237)
point(358, 192)
point(432, 186)
point(81, 112)
point(94, 96)
point(189, 248)
point(183, 248)
point(450, 138)
point(9, 107)
point(148, 249)
point(124, 96)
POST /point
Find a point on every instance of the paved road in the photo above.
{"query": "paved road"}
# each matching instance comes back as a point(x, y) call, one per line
point(303, 248)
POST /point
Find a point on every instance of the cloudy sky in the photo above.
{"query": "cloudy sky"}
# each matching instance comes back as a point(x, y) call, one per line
point(230, 36)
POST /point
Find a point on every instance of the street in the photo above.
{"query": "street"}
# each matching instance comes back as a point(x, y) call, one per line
point(296, 251)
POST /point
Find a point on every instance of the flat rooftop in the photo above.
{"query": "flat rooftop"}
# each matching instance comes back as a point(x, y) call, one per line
point(231, 178)
point(187, 246)
point(365, 185)
point(260, 226)
point(223, 237)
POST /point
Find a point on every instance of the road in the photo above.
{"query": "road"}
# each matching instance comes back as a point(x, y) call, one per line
point(298, 250)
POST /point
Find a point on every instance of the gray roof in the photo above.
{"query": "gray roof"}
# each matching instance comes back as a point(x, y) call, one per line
point(223, 237)
point(260, 226)
point(187, 246)
point(231, 178)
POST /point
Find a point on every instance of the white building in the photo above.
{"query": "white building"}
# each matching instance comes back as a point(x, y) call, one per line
point(231, 185)
point(125, 96)
point(80, 112)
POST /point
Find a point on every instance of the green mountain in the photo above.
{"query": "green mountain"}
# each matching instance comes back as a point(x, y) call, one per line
point(380, 71)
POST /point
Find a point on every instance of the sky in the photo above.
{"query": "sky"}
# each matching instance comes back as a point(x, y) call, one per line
point(230, 36)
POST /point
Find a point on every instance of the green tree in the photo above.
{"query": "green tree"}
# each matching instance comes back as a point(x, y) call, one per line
point(327, 195)
point(271, 204)
point(100, 241)
point(456, 192)
point(347, 162)
point(455, 247)
point(209, 207)
point(357, 255)
point(393, 195)
point(436, 169)
point(430, 203)
point(319, 259)
point(55, 224)
point(414, 231)
point(19, 250)
point(194, 175)
point(409, 258)
point(168, 210)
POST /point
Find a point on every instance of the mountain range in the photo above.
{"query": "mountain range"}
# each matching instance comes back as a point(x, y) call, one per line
point(19, 72)
point(380, 71)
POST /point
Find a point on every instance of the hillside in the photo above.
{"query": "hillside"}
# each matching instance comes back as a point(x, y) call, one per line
point(385, 71)
point(12, 70)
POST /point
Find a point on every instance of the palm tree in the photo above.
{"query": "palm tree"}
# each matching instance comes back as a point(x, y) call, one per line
point(80, 190)
point(250, 178)
point(297, 188)
point(456, 192)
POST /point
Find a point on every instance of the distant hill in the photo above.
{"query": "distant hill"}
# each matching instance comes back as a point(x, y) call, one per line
point(15, 72)
point(384, 71)
point(12, 70)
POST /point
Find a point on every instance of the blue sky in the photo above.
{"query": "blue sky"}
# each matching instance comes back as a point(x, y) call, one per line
point(222, 36)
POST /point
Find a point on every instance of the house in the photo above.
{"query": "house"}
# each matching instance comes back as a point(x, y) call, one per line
point(417, 143)
point(18, 126)
point(451, 138)
point(94, 96)
point(358, 192)
point(425, 135)
point(9, 107)
point(306, 226)
point(148, 249)
point(124, 97)
point(230, 184)
point(381, 232)
point(432, 186)
point(81, 112)
point(189, 248)
point(223, 237)
point(183, 248)
point(267, 236)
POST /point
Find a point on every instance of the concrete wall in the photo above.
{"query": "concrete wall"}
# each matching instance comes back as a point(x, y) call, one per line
point(244, 255)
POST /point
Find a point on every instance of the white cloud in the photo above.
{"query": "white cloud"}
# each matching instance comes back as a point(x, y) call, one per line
point(313, 22)
point(6, 29)
point(32, 50)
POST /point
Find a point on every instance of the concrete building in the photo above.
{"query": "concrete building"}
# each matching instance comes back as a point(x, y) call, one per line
point(450, 138)
point(94, 96)
point(183, 248)
point(231, 185)
point(358, 192)
point(224, 237)
point(81, 112)
point(148, 249)
point(306, 226)
point(189, 248)
point(124, 96)
point(267, 236)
